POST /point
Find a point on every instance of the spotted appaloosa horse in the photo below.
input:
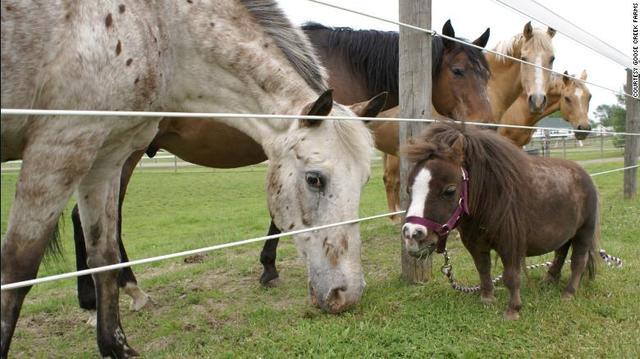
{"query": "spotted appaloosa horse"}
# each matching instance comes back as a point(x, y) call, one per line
point(500, 199)
point(361, 64)
point(205, 56)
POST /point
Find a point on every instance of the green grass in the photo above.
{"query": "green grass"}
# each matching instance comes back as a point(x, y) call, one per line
point(592, 148)
point(217, 309)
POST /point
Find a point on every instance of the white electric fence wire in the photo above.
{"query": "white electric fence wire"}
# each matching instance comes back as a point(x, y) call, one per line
point(213, 115)
point(51, 278)
point(536, 11)
point(211, 248)
point(614, 170)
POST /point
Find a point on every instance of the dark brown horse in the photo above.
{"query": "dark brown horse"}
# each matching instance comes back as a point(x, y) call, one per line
point(501, 199)
point(369, 59)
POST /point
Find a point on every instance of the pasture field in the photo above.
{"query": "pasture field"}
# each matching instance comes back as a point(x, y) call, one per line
point(213, 306)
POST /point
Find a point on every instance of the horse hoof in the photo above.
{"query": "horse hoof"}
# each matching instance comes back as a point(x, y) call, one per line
point(139, 299)
point(567, 296)
point(487, 300)
point(125, 352)
point(92, 321)
point(272, 283)
point(511, 314)
point(270, 279)
point(550, 279)
point(141, 302)
point(396, 219)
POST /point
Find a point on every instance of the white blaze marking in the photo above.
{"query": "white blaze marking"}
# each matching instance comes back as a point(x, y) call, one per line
point(419, 193)
point(578, 94)
point(539, 79)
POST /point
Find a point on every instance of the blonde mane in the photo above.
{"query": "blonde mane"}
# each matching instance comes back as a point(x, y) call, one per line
point(540, 40)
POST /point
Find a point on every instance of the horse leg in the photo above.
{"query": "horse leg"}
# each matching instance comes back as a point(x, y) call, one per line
point(50, 171)
point(86, 288)
point(581, 244)
point(512, 282)
point(127, 280)
point(482, 260)
point(553, 274)
point(268, 258)
point(98, 203)
point(391, 180)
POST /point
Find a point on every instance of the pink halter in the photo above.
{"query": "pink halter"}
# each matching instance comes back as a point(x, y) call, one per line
point(442, 230)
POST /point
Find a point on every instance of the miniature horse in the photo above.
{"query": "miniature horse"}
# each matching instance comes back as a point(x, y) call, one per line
point(502, 200)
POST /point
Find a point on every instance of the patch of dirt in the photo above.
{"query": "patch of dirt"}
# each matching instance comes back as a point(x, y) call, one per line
point(196, 258)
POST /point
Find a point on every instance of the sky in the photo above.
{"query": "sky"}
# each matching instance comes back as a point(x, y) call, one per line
point(610, 21)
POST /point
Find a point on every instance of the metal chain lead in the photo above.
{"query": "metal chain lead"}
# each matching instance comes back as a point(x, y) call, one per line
point(447, 270)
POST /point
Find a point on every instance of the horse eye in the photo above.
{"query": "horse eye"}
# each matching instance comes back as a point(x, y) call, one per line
point(553, 58)
point(524, 58)
point(458, 71)
point(315, 180)
point(449, 191)
point(566, 98)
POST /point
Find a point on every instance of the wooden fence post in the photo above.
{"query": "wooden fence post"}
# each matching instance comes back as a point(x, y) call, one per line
point(631, 143)
point(415, 102)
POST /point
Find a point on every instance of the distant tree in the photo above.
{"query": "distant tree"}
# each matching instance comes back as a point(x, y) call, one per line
point(613, 116)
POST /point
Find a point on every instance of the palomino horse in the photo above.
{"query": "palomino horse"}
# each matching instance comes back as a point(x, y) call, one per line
point(460, 75)
point(213, 56)
point(510, 78)
point(570, 96)
point(502, 199)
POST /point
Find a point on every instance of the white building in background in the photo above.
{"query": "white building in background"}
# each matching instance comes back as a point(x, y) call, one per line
point(604, 130)
point(560, 128)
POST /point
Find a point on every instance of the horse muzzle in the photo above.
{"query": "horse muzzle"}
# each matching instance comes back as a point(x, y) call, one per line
point(336, 296)
point(419, 242)
point(537, 103)
point(582, 135)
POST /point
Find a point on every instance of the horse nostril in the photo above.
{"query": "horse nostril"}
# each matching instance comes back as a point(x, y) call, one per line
point(336, 299)
point(544, 101)
point(417, 234)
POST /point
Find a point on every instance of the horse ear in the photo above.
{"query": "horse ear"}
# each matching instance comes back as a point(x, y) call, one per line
point(551, 31)
point(458, 148)
point(447, 30)
point(528, 31)
point(483, 39)
point(583, 75)
point(370, 108)
point(321, 107)
point(566, 79)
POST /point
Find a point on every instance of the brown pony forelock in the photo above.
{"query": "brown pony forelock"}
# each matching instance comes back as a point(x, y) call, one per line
point(497, 174)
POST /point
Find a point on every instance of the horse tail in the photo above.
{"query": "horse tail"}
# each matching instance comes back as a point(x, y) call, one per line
point(593, 260)
point(53, 250)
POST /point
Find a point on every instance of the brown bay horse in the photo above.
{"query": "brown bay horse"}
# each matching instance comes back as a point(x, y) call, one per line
point(500, 199)
point(369, 59)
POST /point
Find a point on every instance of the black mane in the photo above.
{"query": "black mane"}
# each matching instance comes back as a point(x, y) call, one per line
point(374, 54)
